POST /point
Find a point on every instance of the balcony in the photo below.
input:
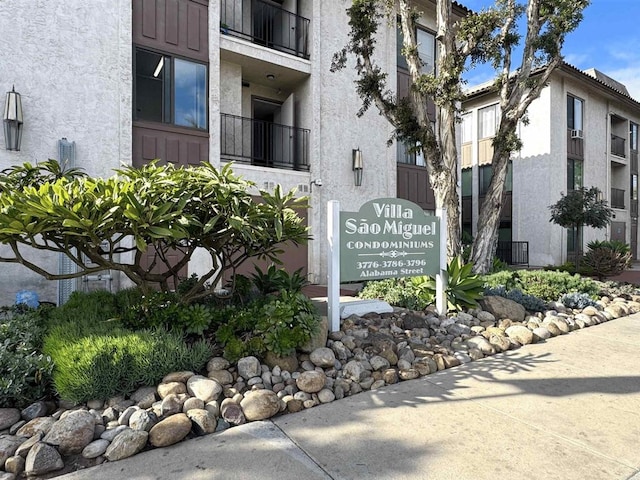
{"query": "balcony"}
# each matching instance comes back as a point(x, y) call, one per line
point(618, 146)
point(264, 144)
point(617, 198)
point(265, 24)
point(513, 253)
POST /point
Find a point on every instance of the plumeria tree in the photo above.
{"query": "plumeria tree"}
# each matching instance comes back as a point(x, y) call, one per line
point(153, 211)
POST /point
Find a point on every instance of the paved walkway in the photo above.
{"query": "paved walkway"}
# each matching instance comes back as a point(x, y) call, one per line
point(565, 409)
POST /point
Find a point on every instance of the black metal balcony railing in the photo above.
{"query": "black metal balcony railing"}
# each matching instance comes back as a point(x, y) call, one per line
point(266, 24)
point(265, 144)
point(617, 198)
point(618, 146)
point(513, 253)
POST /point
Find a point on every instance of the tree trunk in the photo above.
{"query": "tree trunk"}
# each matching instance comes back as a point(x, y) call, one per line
point(486, 239)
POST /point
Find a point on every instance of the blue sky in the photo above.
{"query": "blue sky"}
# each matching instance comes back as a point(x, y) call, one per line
point(608, 39)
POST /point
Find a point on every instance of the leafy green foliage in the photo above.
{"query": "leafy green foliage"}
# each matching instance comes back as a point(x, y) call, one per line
point(162, 209)
point(275, 323)
point(276, 279)
point(401, 292)
point(607, 258)
point(463, 291)
point(26, 373)
point(529, 302)
point(543, 284)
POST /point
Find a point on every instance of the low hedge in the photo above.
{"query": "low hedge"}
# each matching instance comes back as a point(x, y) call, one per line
point(26, 373)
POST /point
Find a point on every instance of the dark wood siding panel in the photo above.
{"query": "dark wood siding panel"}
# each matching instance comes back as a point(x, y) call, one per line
point(293, 256)
point(575, 146)
point(413, 185)
point(178, 27)
point(152, 142)
point(148, 18)
point(171, 23)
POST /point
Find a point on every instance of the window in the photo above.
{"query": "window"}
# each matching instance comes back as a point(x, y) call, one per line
point(467, 182)
point(170, 90)
point(634, 187)
point(488, 121)
point(575, 107)
point(574, 241)
point(633, 136)
point(465, 128)
point(409, 156)
point(485, 173)
point(426, 50)
point(574, 174)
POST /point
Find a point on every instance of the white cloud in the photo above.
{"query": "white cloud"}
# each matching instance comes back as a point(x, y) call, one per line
point(630, 77)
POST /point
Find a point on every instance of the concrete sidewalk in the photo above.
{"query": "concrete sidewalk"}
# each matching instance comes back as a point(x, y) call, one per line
point(565, 409)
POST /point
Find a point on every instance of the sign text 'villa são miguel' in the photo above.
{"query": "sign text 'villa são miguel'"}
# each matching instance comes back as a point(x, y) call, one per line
point(388, 237)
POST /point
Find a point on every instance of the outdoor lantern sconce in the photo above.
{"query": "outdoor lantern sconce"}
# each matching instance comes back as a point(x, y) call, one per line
point(357, 166)
point(12, 120)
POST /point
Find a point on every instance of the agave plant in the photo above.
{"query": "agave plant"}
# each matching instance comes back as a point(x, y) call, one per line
point(464, 288)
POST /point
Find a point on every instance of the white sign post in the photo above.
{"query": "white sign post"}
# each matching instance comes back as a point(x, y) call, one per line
point(441, 278)
point(333, 285)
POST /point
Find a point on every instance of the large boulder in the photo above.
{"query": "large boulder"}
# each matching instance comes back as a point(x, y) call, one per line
point(170, 430)
point(502, 307)
point(42, 458)
point(72, 433)
point(260, 404)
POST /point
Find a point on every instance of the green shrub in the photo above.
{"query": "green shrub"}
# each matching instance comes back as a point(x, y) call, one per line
point(278, 279)
point(26, 372)
point(85, 309)
point(98, 366)
point(543, 284)
point(401, 292)
point(278, 323)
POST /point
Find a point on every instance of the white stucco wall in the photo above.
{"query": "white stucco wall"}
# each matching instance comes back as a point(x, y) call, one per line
point(71, 62)
point(337, 130)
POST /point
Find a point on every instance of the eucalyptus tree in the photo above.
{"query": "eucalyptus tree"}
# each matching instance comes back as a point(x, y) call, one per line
point(489, 35)
point(518, 83)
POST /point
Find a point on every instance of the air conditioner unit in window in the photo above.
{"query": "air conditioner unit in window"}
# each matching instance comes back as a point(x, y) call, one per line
point(576, 134)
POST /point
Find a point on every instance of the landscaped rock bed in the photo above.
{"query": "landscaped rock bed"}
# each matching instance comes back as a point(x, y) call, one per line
point(47, 439)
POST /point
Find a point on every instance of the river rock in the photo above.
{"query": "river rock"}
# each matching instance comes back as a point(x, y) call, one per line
point(35, 410)
point(96, 448)
point(502, 308)
point(144, 396)
point(9, 417)
point(142, 420)
point(127, 443)
point(311, 382)
point(520, 334)
point(170, 430)
point(42, 458)
point(323, 357)
point(203, 421)
point(71, 433)
point(15, 465)
point(203, 388)
point(171, 388)
point(249, 367)
point(262, 404)
point(223, 377)
point(8, 447)
point(179, 377)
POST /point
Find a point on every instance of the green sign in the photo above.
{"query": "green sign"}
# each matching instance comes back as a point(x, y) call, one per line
point(387, 238)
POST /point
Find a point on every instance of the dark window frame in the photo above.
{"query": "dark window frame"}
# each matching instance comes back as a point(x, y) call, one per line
point(571, 173)
point(168, 108)
point(401, 61)
point(572, 100)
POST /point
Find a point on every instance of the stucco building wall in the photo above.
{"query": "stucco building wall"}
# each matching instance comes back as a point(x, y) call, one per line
point(73, 71)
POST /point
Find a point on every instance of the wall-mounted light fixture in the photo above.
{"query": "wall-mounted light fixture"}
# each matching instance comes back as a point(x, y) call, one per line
point(317, 182)
point(357, 166)
point(12, 118)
